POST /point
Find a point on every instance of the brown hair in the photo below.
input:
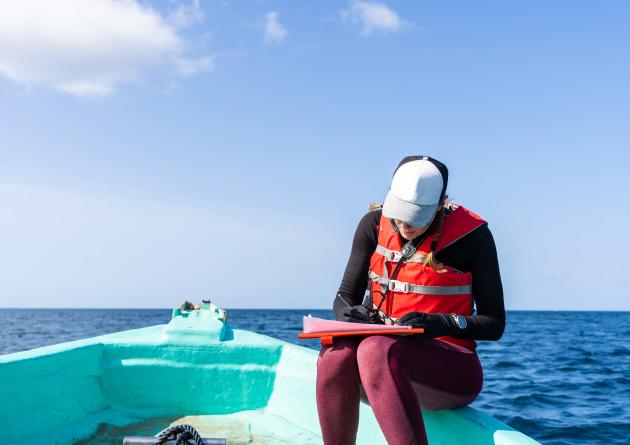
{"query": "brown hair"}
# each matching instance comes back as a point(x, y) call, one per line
point(429, 259)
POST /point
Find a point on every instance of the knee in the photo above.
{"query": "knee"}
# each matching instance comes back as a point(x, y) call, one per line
point(337, 359)
point(373, 355)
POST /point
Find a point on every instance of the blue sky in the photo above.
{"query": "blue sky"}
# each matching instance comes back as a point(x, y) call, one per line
point(158, 151)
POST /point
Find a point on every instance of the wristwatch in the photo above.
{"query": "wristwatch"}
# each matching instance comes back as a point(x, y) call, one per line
point(460, 321)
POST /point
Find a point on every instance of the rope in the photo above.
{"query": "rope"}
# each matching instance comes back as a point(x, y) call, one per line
point(181, 434)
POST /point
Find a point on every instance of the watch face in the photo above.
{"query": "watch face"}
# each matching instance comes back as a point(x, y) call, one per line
point(461, 322)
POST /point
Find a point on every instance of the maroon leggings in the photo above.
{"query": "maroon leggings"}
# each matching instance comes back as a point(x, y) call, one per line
point(398, 375)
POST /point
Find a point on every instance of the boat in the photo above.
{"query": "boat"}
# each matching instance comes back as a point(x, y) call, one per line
point(227, 383)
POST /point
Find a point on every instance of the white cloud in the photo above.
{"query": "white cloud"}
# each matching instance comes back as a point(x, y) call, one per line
point(372, 17)
point(190, 67)
point(85, 47)
point(273, 29)
point(187, 15)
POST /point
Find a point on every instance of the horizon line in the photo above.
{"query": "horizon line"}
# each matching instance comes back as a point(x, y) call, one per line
point(284, 309)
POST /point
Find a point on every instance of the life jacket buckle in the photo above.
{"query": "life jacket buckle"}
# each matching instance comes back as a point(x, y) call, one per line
point(398, 286)
point(394, 256)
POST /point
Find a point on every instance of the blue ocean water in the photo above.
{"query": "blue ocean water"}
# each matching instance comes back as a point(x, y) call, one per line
point(562, 378)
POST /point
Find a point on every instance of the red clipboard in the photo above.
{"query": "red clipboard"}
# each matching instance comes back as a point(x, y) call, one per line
point(327, 337)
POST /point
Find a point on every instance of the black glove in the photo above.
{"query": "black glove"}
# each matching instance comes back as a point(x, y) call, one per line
point(435, 325)
point(355, 314)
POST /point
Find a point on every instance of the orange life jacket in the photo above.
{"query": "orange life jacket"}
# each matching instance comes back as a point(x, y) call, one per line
point(421, 288)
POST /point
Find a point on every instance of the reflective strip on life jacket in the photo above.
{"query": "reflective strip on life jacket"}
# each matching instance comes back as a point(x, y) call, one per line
point(409, 288)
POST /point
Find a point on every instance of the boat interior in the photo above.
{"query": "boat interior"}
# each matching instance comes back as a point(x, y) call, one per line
point(227, 383)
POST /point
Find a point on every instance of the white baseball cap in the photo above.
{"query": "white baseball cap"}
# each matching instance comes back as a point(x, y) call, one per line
point(418, 186)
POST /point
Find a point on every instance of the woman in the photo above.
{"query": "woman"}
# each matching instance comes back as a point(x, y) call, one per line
point(428, 263)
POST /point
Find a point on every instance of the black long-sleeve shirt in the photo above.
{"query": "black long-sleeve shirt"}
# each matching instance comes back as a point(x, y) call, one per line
point(475, 253)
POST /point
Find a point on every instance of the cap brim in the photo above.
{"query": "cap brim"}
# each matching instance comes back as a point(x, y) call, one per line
point(413, 214)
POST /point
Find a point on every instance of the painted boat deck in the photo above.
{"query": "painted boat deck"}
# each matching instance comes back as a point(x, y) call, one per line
point(231, 383)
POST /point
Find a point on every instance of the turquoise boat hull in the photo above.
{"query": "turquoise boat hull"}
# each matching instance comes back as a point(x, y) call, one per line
point(245, 387)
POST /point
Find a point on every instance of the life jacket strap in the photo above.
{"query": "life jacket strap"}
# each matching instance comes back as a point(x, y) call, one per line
point(390, 255)
point(409, 288)
point(393, 256)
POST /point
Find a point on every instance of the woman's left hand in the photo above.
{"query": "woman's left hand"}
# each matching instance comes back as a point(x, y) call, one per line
point(435, 325)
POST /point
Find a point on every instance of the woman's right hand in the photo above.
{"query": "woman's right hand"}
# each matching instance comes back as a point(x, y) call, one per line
point(356, 314)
